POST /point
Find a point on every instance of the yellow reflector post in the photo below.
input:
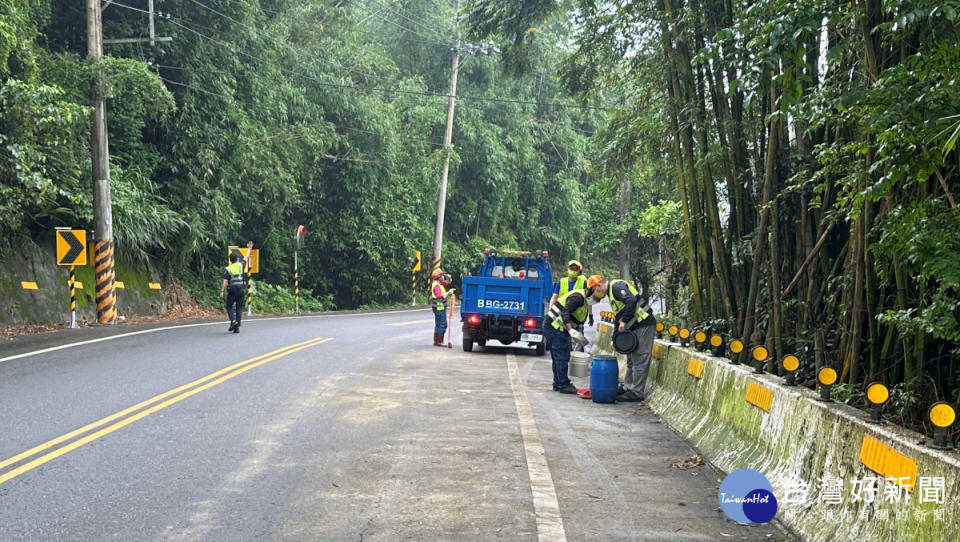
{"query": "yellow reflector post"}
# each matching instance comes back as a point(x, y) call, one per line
point(716, 340)
point(760, 353)
point(659, 326)
point(736, 346)
point(154, 285)
point(942, 414)
point(673, 330)
point(119, 285)
point(684, 333)
point(791, 363)
point(877, 393)
point(827, 376)
point(700, 337)
point(28, 285)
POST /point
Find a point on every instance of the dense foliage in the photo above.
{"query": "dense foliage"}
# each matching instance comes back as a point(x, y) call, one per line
point(261, 115)
point(811, 147)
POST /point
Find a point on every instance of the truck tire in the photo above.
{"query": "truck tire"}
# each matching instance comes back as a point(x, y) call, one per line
point(541, 349)
point(467, 344)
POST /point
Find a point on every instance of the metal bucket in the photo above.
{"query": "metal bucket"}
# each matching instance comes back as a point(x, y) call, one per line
point(579, 364)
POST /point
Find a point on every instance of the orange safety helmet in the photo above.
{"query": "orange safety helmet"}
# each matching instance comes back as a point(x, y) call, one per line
point(437, 273)
point(594, 280)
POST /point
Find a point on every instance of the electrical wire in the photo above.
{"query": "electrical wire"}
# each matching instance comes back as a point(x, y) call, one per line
point(260, 32)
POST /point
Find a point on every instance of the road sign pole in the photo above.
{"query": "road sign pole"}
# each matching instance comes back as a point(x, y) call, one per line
point(73, 300)
point(296, 283)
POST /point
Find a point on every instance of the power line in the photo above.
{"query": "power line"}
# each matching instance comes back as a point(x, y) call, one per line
point(335, 125)
point(130, 8)
point(379, 89)
point(438, 34)
point(260, 32)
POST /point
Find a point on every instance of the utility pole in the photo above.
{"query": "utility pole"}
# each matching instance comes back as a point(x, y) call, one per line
point(447, 144)
point(100, 158)
point(153, 39)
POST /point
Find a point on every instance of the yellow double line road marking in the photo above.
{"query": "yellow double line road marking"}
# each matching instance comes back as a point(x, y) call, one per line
point(162, 401)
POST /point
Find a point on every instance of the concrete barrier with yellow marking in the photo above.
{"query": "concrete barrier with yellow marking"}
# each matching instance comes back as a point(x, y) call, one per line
point(796, 441)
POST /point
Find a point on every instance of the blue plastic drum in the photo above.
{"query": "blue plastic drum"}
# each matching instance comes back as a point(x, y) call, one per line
point(604, 374)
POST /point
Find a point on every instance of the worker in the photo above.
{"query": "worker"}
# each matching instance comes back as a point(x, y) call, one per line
point(566, 318)
point(438, 299)
point(233, 277)
point(634, 317)
point(573, 281)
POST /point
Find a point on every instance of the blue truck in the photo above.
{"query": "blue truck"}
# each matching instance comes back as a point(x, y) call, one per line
point(506, 300)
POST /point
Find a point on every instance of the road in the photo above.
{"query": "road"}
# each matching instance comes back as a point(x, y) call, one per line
point(328, 427)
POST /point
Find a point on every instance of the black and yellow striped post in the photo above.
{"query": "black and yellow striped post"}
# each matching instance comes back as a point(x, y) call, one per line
point(104, 273)
point(296, 291)
point(73, 300)
point(416, 261)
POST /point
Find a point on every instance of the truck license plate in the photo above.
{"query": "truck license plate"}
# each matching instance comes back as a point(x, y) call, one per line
point(531, 337)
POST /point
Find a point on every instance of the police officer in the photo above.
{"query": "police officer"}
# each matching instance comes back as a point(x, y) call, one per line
point(631, 316)
point(566, 319)
point(438, 298)
point(233, 277)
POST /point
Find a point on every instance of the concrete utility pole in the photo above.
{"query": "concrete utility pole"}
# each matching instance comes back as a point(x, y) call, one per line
point(447, 144)
point(100, 158)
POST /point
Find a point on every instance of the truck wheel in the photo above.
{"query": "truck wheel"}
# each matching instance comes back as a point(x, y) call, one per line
point(541, 349)
point(467, 345)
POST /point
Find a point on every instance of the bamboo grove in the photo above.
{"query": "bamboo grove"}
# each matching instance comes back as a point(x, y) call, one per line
point(811, 148)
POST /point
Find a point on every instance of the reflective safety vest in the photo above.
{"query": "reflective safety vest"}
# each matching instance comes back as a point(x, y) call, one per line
point(236, 275)
point(580, 283)
point(579, 315)
point(618, 306)
point(437, 302)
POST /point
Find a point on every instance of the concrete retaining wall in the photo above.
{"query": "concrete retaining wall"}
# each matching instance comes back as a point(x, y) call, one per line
point(51, 302)
point(803, 441)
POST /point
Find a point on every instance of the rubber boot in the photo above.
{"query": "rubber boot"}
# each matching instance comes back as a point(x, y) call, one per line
point(438, 339)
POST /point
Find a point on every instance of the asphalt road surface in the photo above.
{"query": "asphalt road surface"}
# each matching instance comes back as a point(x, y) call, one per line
point(328, 427)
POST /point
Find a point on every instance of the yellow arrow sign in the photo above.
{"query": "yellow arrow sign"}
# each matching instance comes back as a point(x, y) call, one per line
point(253, 262)
point(71, 247)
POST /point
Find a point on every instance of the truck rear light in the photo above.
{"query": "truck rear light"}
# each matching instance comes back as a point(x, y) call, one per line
point(545, 254)
point(530, 323)
point(473, 320)
point(486, 252)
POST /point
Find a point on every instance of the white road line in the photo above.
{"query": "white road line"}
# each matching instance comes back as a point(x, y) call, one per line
point(182, 326)
point(545, 505)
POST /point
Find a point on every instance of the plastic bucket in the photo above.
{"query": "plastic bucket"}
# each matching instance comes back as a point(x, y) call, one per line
point(579, 364)
point(603, 379)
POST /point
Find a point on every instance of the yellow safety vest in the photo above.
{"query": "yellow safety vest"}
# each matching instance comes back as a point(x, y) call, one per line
point(618, 306)
point(236, 274)
point(579, 284)
point(437, 302)
point(579, 315)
